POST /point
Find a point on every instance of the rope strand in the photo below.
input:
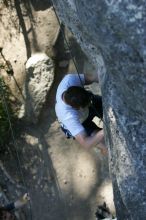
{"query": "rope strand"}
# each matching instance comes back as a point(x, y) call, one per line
point(13, 137)
point(68, 45)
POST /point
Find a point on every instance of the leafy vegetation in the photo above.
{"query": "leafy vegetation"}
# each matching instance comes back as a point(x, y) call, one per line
point(5, 108)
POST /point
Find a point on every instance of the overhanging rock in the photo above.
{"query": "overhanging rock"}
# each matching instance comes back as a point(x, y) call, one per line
point(113, 34)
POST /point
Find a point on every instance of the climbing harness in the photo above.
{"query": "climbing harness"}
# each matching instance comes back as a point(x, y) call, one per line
point(92, 106)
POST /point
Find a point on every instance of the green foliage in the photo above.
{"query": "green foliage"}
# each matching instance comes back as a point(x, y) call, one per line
point(4, 119)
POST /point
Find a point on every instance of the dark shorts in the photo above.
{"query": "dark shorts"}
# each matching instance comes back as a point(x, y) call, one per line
point(94, 110)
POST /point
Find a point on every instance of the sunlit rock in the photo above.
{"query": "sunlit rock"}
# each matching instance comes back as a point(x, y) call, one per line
point(39, 79)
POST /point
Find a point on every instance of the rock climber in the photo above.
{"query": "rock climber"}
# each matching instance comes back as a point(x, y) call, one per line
point(76, 107)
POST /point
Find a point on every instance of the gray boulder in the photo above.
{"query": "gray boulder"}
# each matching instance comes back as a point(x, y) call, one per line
point(39, 79)
point(112, 33)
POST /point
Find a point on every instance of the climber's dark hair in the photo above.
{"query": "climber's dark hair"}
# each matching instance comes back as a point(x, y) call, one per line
point(77, 97)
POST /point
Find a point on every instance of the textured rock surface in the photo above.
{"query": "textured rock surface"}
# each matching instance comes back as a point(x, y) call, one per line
point(27, 27)
point(118, 30)
point(39, 78)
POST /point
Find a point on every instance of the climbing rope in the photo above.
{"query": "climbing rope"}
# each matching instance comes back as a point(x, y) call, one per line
point(69, 48)
point(14, 141)
point(10, 72)
point(68, 44)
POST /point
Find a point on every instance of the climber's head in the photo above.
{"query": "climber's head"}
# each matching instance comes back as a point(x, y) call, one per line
point(77, 97)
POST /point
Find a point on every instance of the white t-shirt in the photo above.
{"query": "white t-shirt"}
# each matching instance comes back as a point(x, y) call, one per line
point(68, 116)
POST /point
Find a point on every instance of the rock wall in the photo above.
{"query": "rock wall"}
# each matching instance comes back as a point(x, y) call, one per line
point(39, 78)
point(113, 34)
point(27, 28)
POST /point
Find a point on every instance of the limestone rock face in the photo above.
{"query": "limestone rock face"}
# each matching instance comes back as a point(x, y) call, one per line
point(113, 34)
point(39, 78)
